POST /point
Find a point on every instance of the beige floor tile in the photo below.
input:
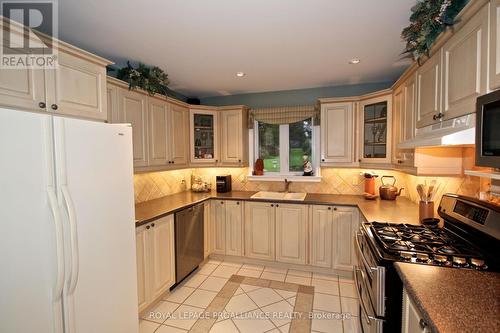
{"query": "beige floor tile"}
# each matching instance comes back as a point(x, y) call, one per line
point(254, 267)
point(273, 276)
point(264, 296)
point(275, 330)
point(253, 325)
point(280, 313)
point(325, 286)
point(352, 325)
point(349, 305)
point(231, 264)
point(298, 279)
point(248, 288)
point(238, 291)
point(225, 271)
point(284, 328)
point(249, 272)
point(326, 324)
point(159, 313)
point(291, 300)
point(345, 280)
point(239, 304)
point(299, 273)
point(324, 302)
point(214, 261)
point(325, 277)
point(147, 326)
point(275, 270)
point(184, 317)
point(169, 329)
point(225, 326)
point(179, 294)
point(194, 281)
point(347, 290)
point(285, 294)
point(200, 298)
point(207, 269)
point(213, 283)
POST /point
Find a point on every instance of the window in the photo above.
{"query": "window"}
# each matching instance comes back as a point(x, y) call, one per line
point(282, 147)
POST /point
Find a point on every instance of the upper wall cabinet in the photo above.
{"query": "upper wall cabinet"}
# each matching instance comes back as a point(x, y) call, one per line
point(403, 120)
point(429, 91)
point(465, 66)
point(204, 136)
point(376, 129)
point(494, 45)
point(178, 134)
point(397, 123)
point(337, 133)
point(77, 87)
point(234, 136)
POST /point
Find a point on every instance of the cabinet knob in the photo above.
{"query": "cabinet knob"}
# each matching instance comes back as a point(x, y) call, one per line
point(277, 205)
point(222, 202)
point(173, 162)
point(272, 205)
point(334, 208)
point(216, 161)
point(54, 106)
point(359, 160)
point(147, 227)
point(237, 202)
point(42, 105)
point(422, 324)
point(153, 225)
point(329, 208)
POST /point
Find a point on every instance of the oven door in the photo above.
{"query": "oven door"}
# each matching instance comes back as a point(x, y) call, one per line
point(369, 281)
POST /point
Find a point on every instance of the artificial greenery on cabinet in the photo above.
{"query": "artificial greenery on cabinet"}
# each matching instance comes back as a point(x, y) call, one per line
point(151, 79)
point(428, 19)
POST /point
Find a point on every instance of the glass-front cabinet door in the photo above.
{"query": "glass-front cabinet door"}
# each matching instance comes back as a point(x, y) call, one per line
point(376, 130)
point(204, 136)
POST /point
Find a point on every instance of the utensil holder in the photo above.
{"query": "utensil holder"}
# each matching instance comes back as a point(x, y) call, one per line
point(425, 210)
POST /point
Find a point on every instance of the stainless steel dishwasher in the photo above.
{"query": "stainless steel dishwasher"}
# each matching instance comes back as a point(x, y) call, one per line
point(188, 241)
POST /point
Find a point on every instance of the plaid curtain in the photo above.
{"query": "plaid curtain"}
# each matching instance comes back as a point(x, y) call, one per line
point(284, 115)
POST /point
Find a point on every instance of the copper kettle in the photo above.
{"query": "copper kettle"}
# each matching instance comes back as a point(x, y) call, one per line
point(389, 192)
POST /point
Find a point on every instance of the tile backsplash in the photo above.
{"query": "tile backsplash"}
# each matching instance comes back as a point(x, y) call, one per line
point(153, 185)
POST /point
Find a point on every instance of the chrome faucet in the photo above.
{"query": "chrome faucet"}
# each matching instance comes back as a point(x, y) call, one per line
point(287, 185)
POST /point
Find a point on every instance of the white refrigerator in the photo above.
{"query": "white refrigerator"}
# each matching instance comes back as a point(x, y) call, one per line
point(67, 236)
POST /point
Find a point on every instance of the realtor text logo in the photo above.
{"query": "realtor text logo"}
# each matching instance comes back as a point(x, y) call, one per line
point(28, 34)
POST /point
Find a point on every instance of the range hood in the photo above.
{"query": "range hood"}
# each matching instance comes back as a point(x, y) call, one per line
point(452, 132)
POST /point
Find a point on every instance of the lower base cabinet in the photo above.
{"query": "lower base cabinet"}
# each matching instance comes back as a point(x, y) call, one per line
point(291, 233)
point(227, 227)
point(412, 321)
point(155, 259)
point(259, 230)
point(332, 236)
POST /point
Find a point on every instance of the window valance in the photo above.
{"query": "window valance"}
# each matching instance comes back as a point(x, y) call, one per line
point(284, 114)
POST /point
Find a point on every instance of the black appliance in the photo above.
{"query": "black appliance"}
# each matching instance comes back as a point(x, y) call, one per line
point(487, 133)
point(469, 239)
point(189, 244)
point(223, 183)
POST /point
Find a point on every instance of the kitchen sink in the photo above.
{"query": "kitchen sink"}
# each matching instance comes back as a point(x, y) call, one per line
point(298, 196)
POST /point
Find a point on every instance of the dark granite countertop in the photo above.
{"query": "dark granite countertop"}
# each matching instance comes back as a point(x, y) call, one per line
point(453, 300)
point(398, 211)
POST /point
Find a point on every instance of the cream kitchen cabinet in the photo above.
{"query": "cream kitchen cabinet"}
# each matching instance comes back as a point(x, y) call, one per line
point(260, 220)
point(375, 115)
point(77, 87)
point(412, 321)
point(321, 231)
point(204, 137)
point(337, 133)
point(178, 134)
point(234, 136)
point(133, 109)
point(155, 260)
point(207, 230)
point(397, 124)
point(345, 226)
point(404, 122)
point(494, 47)
point(227, 226)
point(218, 212)
point(291, 233)
point(429, 109)
point(234, 228)
point(465, 64)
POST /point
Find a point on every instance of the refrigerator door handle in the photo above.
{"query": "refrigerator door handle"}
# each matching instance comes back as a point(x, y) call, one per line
point(74, 238)
point(59, 285)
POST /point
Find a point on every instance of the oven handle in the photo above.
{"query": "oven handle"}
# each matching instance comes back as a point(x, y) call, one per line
point(365, 262)
point(368, 317)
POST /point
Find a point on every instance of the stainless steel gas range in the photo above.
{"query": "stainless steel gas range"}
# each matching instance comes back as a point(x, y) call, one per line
point(469, 239)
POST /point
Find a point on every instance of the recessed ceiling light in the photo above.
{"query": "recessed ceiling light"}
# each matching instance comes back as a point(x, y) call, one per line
point(240, 74)
point(354, 61)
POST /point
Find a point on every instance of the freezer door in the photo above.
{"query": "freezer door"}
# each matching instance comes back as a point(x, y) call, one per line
point(95, 183)
point(30, 237)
